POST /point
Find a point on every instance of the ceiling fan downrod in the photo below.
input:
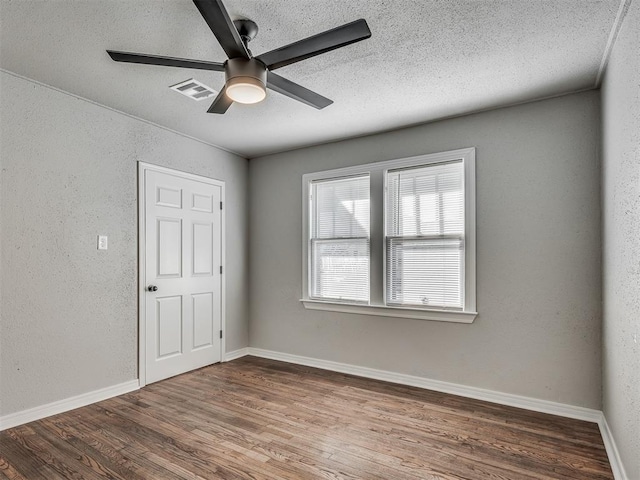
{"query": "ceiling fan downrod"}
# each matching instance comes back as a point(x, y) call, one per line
point(247, 29)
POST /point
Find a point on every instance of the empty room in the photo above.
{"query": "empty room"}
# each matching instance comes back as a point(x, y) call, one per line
point(317, 239)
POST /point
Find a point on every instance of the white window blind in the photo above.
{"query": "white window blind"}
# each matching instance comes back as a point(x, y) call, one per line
point(425, 236)
point(339, 239)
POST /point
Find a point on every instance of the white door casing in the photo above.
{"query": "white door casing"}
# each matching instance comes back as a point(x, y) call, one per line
point(181, 253)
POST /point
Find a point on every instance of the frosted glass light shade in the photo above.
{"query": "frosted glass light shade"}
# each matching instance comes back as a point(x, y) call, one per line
point(246, 90)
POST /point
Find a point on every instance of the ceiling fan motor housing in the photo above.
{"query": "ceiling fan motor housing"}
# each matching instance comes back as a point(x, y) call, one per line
point(246, 71)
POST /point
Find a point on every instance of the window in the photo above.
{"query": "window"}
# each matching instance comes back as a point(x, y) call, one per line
point(339, 242)
point(393, 238)
point(425, 236)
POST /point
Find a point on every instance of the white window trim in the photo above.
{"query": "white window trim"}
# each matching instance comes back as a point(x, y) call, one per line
point(377, 172)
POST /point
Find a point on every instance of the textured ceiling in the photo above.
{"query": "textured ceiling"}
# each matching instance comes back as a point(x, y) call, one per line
point(425, 60)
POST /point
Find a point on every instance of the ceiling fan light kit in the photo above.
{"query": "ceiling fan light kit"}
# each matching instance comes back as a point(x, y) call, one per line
point(246, 80)
point(247, 77)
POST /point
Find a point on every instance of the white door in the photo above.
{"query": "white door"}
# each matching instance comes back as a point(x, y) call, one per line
point(182, 273)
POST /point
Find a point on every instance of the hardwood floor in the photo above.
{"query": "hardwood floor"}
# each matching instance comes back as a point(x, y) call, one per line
point(261, 419)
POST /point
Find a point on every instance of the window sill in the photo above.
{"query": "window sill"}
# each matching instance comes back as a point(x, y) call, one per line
point(383, 311)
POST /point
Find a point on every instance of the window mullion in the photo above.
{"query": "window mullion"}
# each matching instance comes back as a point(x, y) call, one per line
point(376, 273)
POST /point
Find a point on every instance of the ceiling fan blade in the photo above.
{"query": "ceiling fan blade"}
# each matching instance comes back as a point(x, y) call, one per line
point(297, 92)
point(222, 102)
point(165, 61)
point(216, 16)
point(317, 44)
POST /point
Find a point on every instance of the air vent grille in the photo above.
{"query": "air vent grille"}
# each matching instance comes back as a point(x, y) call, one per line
point(194, 89)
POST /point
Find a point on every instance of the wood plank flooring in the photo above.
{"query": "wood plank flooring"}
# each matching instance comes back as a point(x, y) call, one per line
point(261, 419)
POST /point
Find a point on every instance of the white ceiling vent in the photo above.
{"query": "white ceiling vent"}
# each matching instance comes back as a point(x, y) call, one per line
point(194, 89)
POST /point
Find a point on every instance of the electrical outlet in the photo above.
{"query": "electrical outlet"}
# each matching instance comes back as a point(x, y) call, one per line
point(102, 242)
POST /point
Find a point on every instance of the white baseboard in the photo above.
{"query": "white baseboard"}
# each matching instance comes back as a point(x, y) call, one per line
point(36, 413)
point(612, 450)
point(241, 352)
point(511, 400)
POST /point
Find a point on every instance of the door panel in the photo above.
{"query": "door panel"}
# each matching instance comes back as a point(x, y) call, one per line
point(169, 247)
point(202, 203)
point(202, 249)
point(202, 324)
point(183, 241)
point(168, 197)
point(169, 326)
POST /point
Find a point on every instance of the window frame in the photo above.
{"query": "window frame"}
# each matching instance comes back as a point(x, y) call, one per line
point(386, 237)
point(377, 172)
point(311, 240)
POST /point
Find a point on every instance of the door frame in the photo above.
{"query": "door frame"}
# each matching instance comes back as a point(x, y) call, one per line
point(142, 326)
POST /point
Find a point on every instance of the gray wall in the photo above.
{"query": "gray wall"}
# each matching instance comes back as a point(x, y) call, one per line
point(621, 242)
point(69, 311)
point(538, 257)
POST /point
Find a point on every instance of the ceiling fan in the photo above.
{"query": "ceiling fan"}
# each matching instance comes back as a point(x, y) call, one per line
point(246, 76)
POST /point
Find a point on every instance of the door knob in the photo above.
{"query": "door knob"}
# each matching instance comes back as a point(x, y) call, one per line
point(152, 288)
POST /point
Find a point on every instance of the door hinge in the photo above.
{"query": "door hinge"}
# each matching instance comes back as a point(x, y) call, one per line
point(220, 269)
point(220, 333)
point(220, 205)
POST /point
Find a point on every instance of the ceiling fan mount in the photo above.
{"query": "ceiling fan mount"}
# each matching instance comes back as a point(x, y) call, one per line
point(247, 29)
point(247, 77)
